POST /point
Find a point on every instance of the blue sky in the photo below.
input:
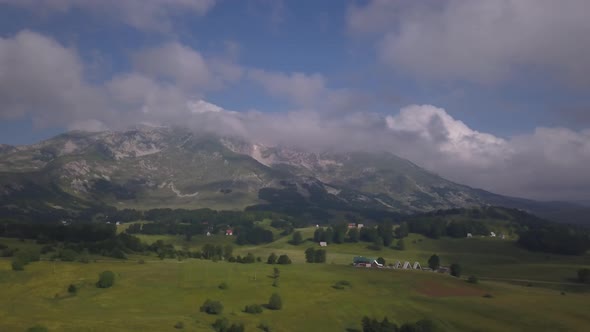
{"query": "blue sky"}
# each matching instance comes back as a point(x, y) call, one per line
point(498, 79)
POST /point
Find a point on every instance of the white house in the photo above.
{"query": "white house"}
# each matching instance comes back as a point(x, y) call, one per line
point(208, 233)
point(492, 234)
point(469, 235)
point(323, 244)
point(360, 226)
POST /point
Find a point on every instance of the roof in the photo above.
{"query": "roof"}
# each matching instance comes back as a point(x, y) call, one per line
point(361, 259)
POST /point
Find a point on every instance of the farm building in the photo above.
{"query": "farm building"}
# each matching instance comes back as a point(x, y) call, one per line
point(229, 232)
point(469, 235)
point(361, 261)
point(397, 265)
point(323, 244)
point(407, 266)
point(417, 266)
point(492, 234)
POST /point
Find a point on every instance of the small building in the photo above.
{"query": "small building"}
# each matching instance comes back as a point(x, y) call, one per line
point(417, 266)
point(317, 226)
point(118, 223)
point(229, 232)
point(502, 236)
point(359, 226)
point(360, 261)
point(208, 233)
point(492, 234)
point(351, 225)
point(407, 266)
point(469, 235)
point(397, 265)
point(323, 244)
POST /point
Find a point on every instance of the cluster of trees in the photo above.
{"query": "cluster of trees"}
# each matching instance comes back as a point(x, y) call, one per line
point(555, 238)
point(254, 235)
point(223, 325)
point(212, 307)
point(374, 325)
point(315, 255)
point(23, 257)
point(282, 259)
point(106, 279)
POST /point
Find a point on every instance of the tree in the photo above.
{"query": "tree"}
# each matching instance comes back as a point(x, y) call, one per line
point(228, 251)
point(72, 289)
point(275, 302)
point(402, 231)
point(319, 256)
point(284, 260)
point(455, 270)
point(339, 233)
point(318, 234)
point(297, 238)
point(309, 255)
point(272, 258)
point(353, 235)
point(381, 260)
point(434, 262)
point(106, 279)
point(276, 273)
point(584, 275)
point(212, 307)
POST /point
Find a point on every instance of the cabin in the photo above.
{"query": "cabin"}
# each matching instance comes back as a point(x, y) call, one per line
point(359, 226)
point(360, 261)
point(417, 266)
point(407, 266)
point(469, 235)
point(492, 234)
point(229, 232)
point(323, 244)
point(208, 233)
point(397, 265)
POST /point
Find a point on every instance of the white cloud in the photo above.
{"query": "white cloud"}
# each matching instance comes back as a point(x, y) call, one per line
point(44, 80)
point(141, 14)
point(300, 88)
point(480, 41)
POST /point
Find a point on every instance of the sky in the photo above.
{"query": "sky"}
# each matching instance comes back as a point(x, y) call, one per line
point(492, 94)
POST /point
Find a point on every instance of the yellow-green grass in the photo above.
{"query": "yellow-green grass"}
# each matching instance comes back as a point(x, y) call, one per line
point(483, 257)
point(156, 295)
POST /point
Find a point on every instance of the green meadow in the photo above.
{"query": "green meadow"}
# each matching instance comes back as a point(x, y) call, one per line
point(158, 294)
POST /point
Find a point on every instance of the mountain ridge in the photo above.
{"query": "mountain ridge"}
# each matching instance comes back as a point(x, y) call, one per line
point(147, 167)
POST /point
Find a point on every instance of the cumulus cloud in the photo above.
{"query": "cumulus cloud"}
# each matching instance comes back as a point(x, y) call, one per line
point(480, 41)
point(141, 14)
point(549, 163)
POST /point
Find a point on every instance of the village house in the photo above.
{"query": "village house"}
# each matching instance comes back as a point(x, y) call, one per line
point(323, 244)
point(469, 235)
point(229, 232)
point(492, 234)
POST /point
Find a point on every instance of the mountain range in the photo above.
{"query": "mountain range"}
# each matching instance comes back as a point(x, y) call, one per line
point(150, 167)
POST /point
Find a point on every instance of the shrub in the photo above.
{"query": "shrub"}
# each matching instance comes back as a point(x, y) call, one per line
point(141, 261)
point(72, 289)
point(212, 307)
point(253, 309)
point(342, 284)
point(284, 260)
point(264, 327)
point(488, 296)
point(37, 328)
point(455, 270)
point(17, 264)
point(179, 325)
point(275, 302)
point(222, 325)
point(381, 260)
point(223, 285)
point(106, 279)
point(67, 255)
point(472, 280)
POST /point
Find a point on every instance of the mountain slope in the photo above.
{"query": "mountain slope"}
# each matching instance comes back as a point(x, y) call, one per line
point(151, 167)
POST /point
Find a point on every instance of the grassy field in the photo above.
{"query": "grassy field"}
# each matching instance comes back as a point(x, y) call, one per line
point(156, 295)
